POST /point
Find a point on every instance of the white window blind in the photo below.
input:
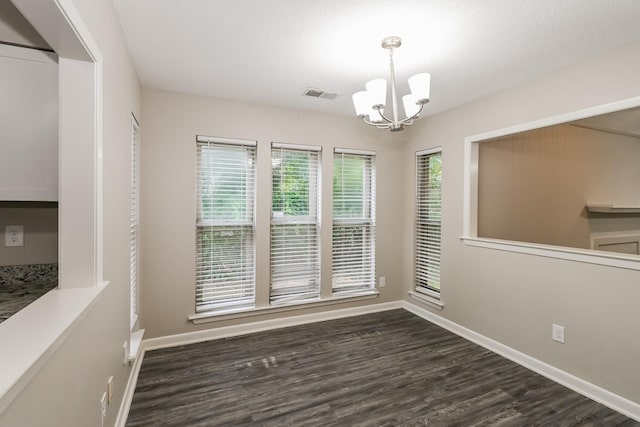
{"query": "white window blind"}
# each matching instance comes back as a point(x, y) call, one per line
point(428, 220)
point(354, 221)
point(134, 219)
point(295, 207)
point(225, 248)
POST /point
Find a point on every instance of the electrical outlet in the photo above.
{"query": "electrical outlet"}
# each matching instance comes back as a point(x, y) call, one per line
point(382, 281)
point(14, 235)
point(110, 389)
point(103, 408)
point(557, 333)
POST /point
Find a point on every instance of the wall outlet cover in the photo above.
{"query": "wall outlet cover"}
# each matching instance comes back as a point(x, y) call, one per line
point(14, 235)
point(557, 333)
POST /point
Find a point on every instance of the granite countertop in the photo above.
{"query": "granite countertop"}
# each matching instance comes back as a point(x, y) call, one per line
point(14, 297)
point(20, 285)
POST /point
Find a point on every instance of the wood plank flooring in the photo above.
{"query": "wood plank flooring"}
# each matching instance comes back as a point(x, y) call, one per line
point(384, 369)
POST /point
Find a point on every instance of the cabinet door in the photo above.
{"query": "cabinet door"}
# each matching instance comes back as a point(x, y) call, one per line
point(28, 124)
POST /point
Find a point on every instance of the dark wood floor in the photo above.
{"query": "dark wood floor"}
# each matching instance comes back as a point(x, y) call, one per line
point(384, 369)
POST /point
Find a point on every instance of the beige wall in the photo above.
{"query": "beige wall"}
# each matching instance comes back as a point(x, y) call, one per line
point(168, 200)
point(514, 298)
point(66, 391)
point(533, 186)
point(40, 221)
point(15, 29)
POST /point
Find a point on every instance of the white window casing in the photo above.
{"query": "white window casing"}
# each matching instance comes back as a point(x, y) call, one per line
point(428, 224)
point(134, 220)
point(354, 221)
point(295, 223)
point(225, 224)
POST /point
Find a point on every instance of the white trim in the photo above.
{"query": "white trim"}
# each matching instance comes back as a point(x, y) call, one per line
point(337, 150)
point(264, 325)
point(611, 259)
point(230, 141)
point(613, 237)
point(433, 150)
point(425, 298)
point(135, 342)
point(28, 54)
point(470, 191)
point(130, 388)
point(559, 119)
point(36, 332)
point(616, 402)
point(236, 313)
point(296, 146)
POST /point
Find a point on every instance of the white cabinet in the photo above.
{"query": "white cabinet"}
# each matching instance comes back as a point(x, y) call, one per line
point(28, 124)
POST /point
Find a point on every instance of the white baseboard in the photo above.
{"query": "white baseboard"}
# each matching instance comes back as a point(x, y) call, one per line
point(265, 325)
point(617, 403)
point(123, 413)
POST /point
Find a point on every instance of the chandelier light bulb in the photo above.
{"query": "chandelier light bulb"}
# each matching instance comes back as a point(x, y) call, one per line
point(361, 103)
point(375, 116)
point(377, 92)
point(420, 85)
point(411, 106)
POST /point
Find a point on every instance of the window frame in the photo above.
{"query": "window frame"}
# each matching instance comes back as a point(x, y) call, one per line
point(311, 291)
point(134, 222)
point(429, 291)
point(247, 224)
point(470, 194)
point(367, 221)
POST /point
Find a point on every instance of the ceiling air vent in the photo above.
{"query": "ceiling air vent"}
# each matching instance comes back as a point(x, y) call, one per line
point(317, 93)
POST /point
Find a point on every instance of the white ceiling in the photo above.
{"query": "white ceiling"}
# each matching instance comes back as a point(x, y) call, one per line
point(268, 51)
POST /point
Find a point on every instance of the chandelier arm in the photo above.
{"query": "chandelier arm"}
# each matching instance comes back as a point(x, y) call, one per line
point(415, 116)
point(384, 117)
point(376, 124)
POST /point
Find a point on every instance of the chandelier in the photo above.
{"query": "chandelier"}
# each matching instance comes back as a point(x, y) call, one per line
point(370, 103)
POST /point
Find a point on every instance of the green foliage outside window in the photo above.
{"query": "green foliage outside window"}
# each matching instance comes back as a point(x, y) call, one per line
point(290, 177)
point(348, 187)
point(224, 183)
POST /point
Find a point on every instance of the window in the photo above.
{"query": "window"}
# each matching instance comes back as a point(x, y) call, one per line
point(225, 249)
point(134, 217)
point(295, 225)
point(354, 221)
point(428, 220)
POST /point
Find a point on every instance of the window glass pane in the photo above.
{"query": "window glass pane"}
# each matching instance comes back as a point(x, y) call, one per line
point(134, 210)
point(349, 180)
point(353, 255)
point(225, 247)
point(428, 221)
point(295, 254)
point(294, 182)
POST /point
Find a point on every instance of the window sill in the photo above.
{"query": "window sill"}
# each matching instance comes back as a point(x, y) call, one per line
point(431, 301)
point(33, 334)
point(215, 316)
point(135, 341)
point(612, 259)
